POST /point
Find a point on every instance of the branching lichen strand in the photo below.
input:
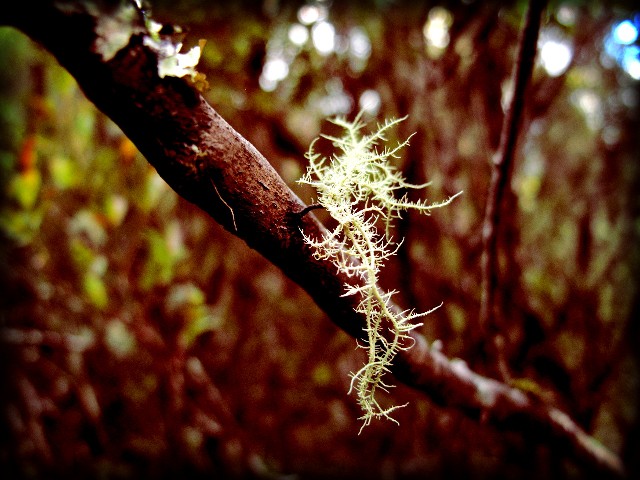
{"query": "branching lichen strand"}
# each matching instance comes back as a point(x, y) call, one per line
point(358, 188)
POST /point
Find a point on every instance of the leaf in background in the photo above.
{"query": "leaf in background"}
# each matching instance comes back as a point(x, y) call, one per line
point(190, 300)
point(202, 318)
point(21, 225)
point(95, 289)
point(81, 254)
point(155, 186)
point(127, 151)
point(164, 252)
point(115, 209)
point(63, 172)
point(25, 187)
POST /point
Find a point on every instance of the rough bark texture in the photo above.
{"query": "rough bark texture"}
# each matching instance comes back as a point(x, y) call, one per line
point(208, 163)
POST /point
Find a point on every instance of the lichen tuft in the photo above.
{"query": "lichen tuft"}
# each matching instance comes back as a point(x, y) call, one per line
point(359, 188)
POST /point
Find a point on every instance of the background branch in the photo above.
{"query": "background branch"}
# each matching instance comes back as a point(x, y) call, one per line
point(502, 169)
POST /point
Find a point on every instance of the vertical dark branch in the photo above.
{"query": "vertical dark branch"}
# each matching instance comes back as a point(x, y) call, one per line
point(500, 180)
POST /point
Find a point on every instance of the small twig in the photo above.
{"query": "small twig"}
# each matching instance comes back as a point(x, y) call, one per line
point(308, 208)
point(501, 176)
point(233, 217)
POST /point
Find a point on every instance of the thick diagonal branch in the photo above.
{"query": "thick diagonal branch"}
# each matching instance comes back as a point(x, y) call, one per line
point(207, 162)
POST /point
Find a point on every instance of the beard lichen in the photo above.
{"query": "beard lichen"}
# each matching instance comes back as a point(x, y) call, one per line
point(358, 186)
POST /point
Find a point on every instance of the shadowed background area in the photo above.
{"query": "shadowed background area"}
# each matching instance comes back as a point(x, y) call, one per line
point(138, 338)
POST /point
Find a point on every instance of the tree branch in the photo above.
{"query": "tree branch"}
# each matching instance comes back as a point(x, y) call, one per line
point(208, 163)
point(500, 181)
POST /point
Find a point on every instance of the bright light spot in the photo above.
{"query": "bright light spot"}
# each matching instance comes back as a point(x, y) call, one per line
point(370, 102)
point(587, 101)
point(566, 15)
point(323, 35)
point(359, 43)
point(436, 30)
point(308, 14)
point(625, 33)
point(359, 47)
point(274, 70)
point(298, 34)
point(619, 48)
point(631, 61)
point(507, 93)
point(555, 57)
point(266, 84)
point(337, 101)
point(590, 105)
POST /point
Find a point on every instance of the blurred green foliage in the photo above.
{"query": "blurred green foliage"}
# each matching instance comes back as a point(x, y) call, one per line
point(140, 339)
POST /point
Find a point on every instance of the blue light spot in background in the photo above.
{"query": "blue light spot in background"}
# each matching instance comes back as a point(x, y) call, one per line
point(625, 33)
point(631, 61)
point(620, 45)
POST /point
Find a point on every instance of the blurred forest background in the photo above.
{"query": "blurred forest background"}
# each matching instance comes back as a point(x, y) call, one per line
point(140, 339)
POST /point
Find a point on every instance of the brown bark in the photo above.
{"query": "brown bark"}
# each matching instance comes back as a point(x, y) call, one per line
point(491, 320)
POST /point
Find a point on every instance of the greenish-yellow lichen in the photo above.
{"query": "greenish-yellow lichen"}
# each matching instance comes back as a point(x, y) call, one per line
point(359, 188)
